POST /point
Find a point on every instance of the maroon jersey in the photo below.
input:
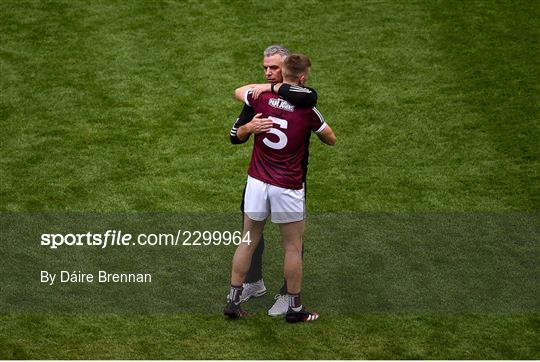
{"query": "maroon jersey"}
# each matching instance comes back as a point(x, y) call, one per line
point(278, 154)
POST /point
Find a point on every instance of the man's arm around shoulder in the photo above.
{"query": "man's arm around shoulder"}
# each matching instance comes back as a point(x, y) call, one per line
point(299, 96)
point(241, 93)
point(245, 117)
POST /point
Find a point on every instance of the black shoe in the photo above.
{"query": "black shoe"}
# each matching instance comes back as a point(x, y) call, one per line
point(301, 316)
point(233, 310)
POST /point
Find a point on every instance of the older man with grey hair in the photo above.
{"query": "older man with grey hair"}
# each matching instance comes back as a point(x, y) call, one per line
point(299, 96)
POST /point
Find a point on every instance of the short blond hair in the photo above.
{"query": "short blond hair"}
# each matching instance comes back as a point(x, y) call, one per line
point(296, 65)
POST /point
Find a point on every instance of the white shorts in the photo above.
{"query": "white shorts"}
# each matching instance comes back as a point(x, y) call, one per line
point(262, 199)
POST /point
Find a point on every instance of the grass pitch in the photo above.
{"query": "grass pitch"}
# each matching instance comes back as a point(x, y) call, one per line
point(122, 107)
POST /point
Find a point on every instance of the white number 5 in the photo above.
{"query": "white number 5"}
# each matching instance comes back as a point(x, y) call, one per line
point(282, 123)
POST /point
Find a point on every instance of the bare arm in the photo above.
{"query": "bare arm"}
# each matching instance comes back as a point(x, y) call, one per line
point(327, 136)
point(240, 93)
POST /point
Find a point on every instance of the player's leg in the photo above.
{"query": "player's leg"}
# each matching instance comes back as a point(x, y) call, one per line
point(283, 290)
point(254, 283)
point(257, 208)
point(292, 235)
point(240, 265)
point(287, 206)
point(244, 251)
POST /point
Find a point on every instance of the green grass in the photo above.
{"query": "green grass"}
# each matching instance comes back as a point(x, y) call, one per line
point(211, 337)
point(124, 107)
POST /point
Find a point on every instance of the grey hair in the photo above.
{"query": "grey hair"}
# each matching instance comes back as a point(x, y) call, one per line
point(276, 49)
